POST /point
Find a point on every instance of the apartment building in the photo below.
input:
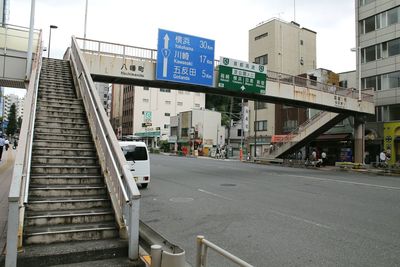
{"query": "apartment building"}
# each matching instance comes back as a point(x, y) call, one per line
point(378, 57)
point(283, 47)
point(19, 105)
point(146, 111)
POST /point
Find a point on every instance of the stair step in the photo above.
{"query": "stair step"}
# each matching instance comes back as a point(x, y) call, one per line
point(54, 107)
point(98, 253)
point(58, 98)
point(63, 233)
point(59, 203)
point(60, 115)
point(41, 218)
point(64, 119)
point(61, 102)
point(64, 144)
point(68, 160)
point(66, 179)
point(65, 169)
point(66, 190)
point(61, 130)
point(60, 124)
point(67, 152)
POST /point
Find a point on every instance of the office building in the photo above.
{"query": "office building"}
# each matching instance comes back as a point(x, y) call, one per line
point(378, 54)
point(283, 47)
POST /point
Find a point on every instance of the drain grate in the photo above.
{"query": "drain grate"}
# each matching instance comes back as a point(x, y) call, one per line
point(228, 184)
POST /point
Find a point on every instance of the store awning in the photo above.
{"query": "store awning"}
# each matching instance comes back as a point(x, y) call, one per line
point(149, 134)
point(278, 138)
point(333, 137)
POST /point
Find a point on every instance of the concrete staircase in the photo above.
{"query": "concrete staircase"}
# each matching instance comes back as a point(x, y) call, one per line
point(68, 199)
point(306, 132)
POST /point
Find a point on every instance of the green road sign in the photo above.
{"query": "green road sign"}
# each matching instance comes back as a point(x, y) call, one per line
point(242, 76)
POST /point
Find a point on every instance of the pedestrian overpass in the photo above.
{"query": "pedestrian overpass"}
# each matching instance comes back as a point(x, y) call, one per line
point(125, 64)
point(48, 176)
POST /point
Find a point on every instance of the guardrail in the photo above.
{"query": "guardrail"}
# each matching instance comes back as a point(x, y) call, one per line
point(125, 196)
point(202, 252)
point(20, 178)
point(142, 53)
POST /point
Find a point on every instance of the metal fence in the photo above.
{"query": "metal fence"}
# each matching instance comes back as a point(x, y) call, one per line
point(202, 252)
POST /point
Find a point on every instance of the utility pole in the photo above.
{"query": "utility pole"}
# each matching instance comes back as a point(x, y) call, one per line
point(241, 132)
point(255, 129)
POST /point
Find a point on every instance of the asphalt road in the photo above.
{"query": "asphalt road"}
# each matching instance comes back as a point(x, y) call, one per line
point(275, 216)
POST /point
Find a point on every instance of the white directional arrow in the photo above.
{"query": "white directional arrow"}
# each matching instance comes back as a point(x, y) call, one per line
point(165, 61)
point(242, 88)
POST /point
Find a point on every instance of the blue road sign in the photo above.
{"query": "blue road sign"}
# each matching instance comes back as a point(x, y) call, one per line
point(185, 58)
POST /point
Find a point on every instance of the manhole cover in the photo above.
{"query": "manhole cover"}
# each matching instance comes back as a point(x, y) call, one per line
point(228, 184)
point(181, 199)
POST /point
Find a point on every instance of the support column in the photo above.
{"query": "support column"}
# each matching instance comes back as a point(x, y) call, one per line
point(359, 140)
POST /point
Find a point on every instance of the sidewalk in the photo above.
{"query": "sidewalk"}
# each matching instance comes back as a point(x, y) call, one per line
point(6, 167)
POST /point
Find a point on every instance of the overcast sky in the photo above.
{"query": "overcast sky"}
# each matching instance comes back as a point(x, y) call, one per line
point(136, 23)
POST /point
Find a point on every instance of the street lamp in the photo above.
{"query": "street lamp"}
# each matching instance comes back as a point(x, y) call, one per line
point(51, 27)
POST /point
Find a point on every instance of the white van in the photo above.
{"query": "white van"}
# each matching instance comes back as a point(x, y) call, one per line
point(137, 157)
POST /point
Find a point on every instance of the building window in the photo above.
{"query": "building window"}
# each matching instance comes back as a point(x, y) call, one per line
point(262, 60)
point(196, 105)
point(260, 105)
point(185, 132)
point(168, 102)
point(370, 53)
point(260, 36)
point(145, 100)
point(146, 88)
point(301, 42)
point(180, 103)
point(239, 132)
point(343, 84)
point(260, 125)
point(393, 47)
point(163, 90)
point(167, 114)
point(369, 24)
point(366, 2)
point(166, 126)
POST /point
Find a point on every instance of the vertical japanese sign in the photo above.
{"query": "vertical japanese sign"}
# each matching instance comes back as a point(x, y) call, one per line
point(185, 58)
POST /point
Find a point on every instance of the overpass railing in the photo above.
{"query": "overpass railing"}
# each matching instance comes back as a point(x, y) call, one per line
point(18, 195)
point(126, 51)
point(124, 193)
point(14, 42)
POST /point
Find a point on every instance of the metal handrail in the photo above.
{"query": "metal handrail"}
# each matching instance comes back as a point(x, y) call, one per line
point(202, 251)
point(125, 196)
point(20, 183)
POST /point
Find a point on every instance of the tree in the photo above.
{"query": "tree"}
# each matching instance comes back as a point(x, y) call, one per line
point(12, 121)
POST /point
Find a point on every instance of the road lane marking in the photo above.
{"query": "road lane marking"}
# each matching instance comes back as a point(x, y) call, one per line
point(345, 182)
point(301, 219)
point(215, 195)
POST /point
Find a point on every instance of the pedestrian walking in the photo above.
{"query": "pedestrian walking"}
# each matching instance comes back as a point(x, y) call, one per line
point(323, 157)
point(15, 144)
point(2, 140)
point(6, 144)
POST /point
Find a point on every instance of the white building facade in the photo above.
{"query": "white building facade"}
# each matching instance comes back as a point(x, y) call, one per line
point(146, 111)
